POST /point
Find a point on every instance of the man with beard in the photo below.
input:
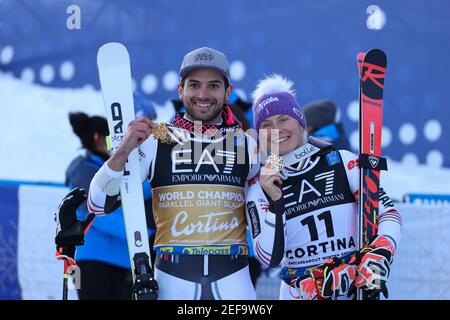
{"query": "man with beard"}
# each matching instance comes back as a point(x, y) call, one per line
point(199, 168)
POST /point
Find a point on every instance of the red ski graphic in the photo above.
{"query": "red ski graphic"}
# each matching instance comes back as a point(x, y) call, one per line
point(372, 70)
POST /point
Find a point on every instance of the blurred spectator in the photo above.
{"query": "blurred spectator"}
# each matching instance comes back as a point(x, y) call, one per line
point(323, 119)
point(242, 109)
point(143, 106)
point(103, 260)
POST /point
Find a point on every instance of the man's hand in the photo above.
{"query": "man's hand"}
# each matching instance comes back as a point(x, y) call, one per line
point(137, 132)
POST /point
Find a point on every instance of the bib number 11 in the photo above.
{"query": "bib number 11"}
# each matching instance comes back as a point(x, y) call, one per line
point(312, 226)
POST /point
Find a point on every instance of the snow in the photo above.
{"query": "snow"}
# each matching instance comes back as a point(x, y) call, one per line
point(39, 144)
point(401, 179)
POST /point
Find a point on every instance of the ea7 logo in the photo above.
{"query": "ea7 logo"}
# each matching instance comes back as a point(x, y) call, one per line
point(373, 161)
point(183, 157)
point(306, 187)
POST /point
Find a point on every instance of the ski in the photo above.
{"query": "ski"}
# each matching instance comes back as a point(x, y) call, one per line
point(372, 71)
point(114, 70)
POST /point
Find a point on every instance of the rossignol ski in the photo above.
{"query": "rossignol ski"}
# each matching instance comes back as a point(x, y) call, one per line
point(113, 63)
point(372, 71)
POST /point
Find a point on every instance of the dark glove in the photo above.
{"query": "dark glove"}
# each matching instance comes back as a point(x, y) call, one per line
point(373, 264)
point(70, 231)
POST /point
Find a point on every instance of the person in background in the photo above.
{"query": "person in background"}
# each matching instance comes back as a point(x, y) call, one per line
point(143, 106)
point(103, 260)
point(242, 109)
point(323, 118)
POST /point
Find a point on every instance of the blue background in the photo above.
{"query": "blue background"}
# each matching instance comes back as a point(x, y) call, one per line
point(313, 43)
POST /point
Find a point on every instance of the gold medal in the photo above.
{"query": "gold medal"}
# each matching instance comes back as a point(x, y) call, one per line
point(276, 161)
point(161, 132)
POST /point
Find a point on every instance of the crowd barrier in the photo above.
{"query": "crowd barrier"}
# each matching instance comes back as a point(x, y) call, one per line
point(29, 270)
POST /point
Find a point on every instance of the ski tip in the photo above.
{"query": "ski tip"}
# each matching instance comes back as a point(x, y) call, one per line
point(376, 53)
point(376, 50)
point(112, 45)
point(376, 56)
point(115, 47)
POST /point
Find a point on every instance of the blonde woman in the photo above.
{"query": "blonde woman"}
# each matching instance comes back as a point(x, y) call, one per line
point(303, 213)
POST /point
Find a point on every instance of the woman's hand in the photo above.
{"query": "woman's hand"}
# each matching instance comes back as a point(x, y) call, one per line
point(271, 182)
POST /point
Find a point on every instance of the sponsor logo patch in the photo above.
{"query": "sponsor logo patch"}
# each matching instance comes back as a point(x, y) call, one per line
point(223, 250)
point(304, 152)
point(243, 250)
point(373, 161)
point(204, 57)
point(265, 102)
point(166, 250)
point(254, 219)
point(352, 164)
point(333, 158)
